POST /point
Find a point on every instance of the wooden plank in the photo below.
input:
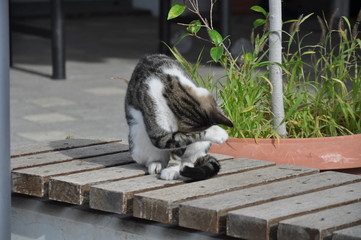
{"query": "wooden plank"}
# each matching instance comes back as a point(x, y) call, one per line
point(351, 233)
point(67, 155)
point(221, 157)
point(34, 181)
point(215, 208)
point(162, 205)
point(117, 196)
point(260, 222)
point(44, 147)
point(74, 188)
point(318, 226)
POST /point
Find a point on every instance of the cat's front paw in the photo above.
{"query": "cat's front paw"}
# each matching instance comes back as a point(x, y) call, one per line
point(155, 168)
point(216, 134)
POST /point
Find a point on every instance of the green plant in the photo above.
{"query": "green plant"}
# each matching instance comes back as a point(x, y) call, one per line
point(322, 82)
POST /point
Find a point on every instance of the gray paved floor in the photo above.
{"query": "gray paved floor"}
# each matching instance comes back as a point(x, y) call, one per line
point(89, 103)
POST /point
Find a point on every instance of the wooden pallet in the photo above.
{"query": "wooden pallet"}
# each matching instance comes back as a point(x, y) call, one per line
point(248, 199)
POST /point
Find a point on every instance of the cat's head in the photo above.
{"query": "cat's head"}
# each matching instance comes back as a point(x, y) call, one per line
point(214, 113)
point(211, 113)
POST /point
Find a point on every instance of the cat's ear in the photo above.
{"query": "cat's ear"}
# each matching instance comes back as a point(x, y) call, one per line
point(217, 117)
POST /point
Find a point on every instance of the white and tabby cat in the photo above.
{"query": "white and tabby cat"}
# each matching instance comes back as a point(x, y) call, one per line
point(168, 115)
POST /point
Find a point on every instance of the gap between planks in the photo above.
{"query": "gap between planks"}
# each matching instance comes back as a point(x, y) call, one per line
point(215, 208)
point(261, 221)
point(67, 155)
point(34, 181)
point(59, 145)
point(118, 196)
point(162, 205)
point(74, 188)
point(321, 225)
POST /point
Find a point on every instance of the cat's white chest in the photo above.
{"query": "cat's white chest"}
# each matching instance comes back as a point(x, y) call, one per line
point(164, 116)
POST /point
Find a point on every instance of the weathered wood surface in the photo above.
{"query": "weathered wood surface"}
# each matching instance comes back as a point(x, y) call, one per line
point(34, 181)
point(351, 233)
point(74, 188)
point(249, 197)
point(67, 155)
point(117, 196)
point(215, 208)
point(58, 145)
point(318, 226)
point(261, 221)
point(162, 205)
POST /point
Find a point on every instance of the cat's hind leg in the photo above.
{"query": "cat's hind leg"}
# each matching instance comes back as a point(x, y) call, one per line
point(186, 158)
point(193, 152)
point(141, 148)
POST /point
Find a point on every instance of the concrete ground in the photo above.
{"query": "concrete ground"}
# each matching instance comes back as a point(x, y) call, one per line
point(89, 103)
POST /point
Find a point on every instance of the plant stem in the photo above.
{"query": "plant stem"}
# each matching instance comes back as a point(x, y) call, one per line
point(275, 58)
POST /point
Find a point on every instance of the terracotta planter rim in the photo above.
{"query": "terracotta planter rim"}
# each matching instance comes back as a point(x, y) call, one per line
point(294, 140)
point(325, 153)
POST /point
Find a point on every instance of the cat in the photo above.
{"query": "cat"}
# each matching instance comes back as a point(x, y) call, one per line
point(169, 116)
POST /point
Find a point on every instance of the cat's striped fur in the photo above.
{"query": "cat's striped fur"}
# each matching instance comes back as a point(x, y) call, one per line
point(169, 115)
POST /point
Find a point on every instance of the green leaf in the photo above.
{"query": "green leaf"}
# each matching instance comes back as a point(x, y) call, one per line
point(259, 22)
point(249, 108)
point(181, 38)
point(260, 10)
point(175, 11)
point(216, 53)
point(248, 57)
point(215, 37)
point(194, 27)
point(359, 42)
point(290, 21)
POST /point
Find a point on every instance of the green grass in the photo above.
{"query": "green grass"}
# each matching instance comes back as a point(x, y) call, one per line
point(322, 84)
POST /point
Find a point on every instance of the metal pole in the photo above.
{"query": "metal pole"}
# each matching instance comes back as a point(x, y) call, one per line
point(164, 25)
point(5, 187)
point(57, 39)
point(225, 19)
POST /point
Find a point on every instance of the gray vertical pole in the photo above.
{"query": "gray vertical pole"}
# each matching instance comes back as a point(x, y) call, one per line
point(164, 25)
point(57, 39)
point(225, 17)
point(275, 58)
point(5, 190)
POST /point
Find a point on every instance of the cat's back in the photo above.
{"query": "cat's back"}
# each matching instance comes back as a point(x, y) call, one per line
point(153, 64)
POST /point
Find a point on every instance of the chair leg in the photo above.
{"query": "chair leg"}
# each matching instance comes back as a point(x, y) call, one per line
point(57, 39)
point(225, 17)
point(164, 26)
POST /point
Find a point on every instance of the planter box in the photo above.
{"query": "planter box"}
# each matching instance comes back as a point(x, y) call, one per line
point(328, 153)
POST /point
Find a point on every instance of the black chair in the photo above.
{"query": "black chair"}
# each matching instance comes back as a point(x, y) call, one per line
point(55, 34)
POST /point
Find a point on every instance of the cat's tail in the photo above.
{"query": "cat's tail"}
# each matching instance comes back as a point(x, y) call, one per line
point(205, 167)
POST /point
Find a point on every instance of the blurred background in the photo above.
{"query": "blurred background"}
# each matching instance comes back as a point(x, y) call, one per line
point(100, 44)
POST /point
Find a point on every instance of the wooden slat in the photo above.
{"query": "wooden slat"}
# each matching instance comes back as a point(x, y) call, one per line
point(67, 155)
point(221, 157)
point(318, 226)
point(74, 188)
point(260, 222)
point(56, 146)
point(34, 181)
point(117, 196)
point(162, 205)
point(215, 208)
point(351, 233)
